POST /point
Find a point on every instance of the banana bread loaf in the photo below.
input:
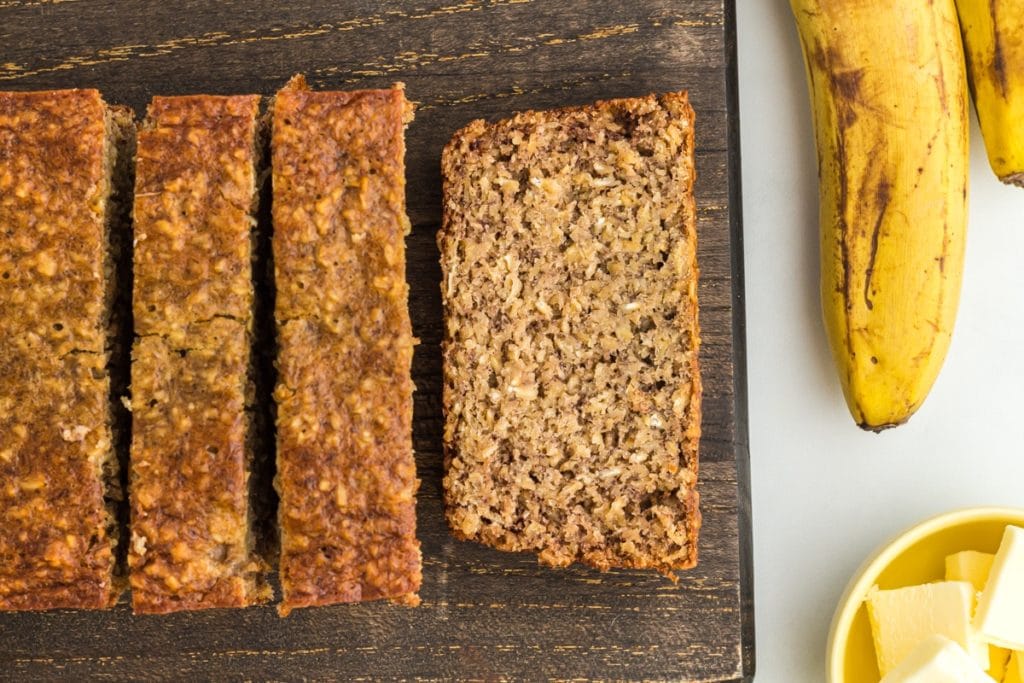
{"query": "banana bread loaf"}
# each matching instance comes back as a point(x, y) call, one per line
point(571, 382)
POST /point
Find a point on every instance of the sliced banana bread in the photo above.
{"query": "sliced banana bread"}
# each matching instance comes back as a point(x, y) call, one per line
point(345, 469)
point(192, 437)
point(571, 382)
point(58, 219)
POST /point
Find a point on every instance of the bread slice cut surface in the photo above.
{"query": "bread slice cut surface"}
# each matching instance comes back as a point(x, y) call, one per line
point(571, 376)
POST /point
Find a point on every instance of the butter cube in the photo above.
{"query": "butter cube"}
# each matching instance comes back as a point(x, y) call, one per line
point(969, 565)
point(937, 659)
point(903, 617)
point(1000, 616)
point(973, 566)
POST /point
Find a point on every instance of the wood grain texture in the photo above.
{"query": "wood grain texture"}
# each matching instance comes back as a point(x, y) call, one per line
point(486, 615)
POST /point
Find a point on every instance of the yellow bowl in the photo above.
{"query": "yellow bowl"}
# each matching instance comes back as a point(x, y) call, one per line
point(915, 556)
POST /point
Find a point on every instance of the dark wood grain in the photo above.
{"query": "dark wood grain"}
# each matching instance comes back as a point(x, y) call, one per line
point(486, 615)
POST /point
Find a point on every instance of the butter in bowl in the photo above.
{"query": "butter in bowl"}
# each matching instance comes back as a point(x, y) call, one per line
point(942, 602)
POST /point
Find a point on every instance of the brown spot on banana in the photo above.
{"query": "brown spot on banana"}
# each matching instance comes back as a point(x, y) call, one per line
point(930, 149)
point(882, 197)
point(998, 54)
point(940, 85)
point(845, 87)
point(937, 329)
point(844, 227)
point(818, 55)
point(847, 84)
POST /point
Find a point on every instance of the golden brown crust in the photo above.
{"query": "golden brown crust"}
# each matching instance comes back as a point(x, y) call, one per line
point(572, 385)
point(53, 191)
point(56, 549)
point(195, 175)
point(346, 474)
point(191, 446)
point(55, 545)
point(189, 484)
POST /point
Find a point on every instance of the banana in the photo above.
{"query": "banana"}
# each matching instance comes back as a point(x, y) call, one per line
point(889, 99)
point(993, 34)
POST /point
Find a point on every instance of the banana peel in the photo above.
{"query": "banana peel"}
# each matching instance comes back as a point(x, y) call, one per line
point(889, 100)
point(993, 38)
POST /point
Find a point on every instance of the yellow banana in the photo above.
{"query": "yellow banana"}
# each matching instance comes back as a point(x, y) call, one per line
point(993, 33)
point(889, 98)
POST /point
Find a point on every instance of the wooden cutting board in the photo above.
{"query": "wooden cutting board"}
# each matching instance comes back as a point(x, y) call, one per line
point(485, 614)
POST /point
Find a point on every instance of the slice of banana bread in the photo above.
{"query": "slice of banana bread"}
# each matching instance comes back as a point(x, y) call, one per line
point(572, 388)
point(58, 154)
point(192, 437)
point(345, 469)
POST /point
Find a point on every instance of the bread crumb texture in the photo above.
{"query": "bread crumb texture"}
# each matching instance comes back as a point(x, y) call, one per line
point(346, 474)
point(56, 540)
point(571, 381)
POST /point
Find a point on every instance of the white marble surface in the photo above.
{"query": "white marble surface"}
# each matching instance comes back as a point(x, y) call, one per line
point(824, 492)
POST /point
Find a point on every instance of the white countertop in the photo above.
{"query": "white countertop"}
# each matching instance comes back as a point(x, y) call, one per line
point(825, 494)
